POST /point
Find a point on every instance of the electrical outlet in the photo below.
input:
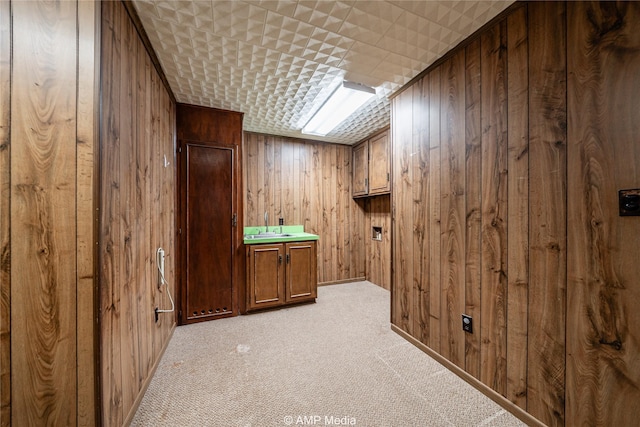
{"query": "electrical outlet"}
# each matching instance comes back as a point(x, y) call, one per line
point(467, 323)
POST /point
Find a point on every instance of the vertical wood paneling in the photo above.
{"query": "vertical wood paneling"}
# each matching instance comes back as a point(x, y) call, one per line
point(277, 176)
point(331, 201)
point(54, 184)
point(327, 225)
point(287, 177)
point(109, 225)
point(250, 171)
point(473, 193)
point(86, 152)
point(137, 203)
point(296, 207)
point(262, 173)
point(420, 165)
point(340, 214)
point(435, 268)
point(494, 208)
point(453, 213)
point(346, 224)
point(47, 189)
point(127, 274)
point(402, 302)
point(549, 271)
point(153, 189)
point(357, 213)
point(371, 251)
point(378, 253)
point(518, 208)
point(309, 183)
point(307, 190)
point(547, 211)
point(5, 215)
point(145, 302)
point(316, 182)
point(603, 368)
point(43, 217)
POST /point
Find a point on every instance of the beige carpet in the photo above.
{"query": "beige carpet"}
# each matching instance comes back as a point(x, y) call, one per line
point(335, 362)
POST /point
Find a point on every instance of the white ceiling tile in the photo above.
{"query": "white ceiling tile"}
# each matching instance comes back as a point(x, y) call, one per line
point(277, 61)
point(286, 8)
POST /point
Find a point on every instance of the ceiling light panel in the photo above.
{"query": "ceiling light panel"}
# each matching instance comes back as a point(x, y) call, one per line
point(342, 103)
point(277, 60)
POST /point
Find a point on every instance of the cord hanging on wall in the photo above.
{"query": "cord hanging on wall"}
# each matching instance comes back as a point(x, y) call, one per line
point(160, 255)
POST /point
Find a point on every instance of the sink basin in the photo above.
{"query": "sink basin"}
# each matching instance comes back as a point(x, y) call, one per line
point(267, 235)
point(257, 235)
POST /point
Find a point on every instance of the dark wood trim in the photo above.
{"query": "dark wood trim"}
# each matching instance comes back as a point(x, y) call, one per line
point(340, 282)
point(137, 23)
point(97, 192)
point(374, 134)
point(147, 381)
point(295, 139)
point(514, 409)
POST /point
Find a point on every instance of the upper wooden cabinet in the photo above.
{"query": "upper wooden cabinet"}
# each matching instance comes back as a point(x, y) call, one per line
point(379, 164)
point(360, 177)
point(371, 166)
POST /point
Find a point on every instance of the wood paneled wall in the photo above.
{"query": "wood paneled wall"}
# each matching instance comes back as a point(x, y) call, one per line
point(603, 300)
point(505, 208)
point(48, 140)
point(307, 183)
point(378, 253)
point(5, 213)
point(137, 215)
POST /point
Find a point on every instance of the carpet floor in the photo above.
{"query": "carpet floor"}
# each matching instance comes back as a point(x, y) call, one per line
point(335, 362)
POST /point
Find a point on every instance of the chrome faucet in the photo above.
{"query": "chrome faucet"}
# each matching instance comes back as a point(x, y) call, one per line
point(266, 222)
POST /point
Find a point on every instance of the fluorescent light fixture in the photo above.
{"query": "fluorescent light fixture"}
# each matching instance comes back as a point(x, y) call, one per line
point(343, 102)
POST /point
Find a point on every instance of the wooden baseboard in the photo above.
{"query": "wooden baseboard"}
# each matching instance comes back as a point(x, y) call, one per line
point(145, 386)
point(517, 411)
point(337, 282)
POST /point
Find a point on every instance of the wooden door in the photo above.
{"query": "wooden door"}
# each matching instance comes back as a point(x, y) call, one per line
point(302, 276)
point(265, 274)
point(379, 182)
point(209, 191)
point(360, 174)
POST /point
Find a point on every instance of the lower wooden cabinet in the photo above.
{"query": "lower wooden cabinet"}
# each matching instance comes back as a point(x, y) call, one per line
point(280, 274)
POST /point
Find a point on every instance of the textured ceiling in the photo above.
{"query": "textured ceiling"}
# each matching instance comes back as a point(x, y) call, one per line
point(277, 61)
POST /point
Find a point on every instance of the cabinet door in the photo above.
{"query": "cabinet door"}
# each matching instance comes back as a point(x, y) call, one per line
point(208, 190)
point(302, 276)
point(379, 182)
point(360, 172)
point(265, 271)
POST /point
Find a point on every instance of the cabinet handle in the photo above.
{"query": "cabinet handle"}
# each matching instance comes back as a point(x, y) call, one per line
point(366, 183)
point(234, 220)
point(287, 258)
point(388, 177)
point(279, 259)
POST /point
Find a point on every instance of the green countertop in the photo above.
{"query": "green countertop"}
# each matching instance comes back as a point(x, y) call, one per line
point(277, 234)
